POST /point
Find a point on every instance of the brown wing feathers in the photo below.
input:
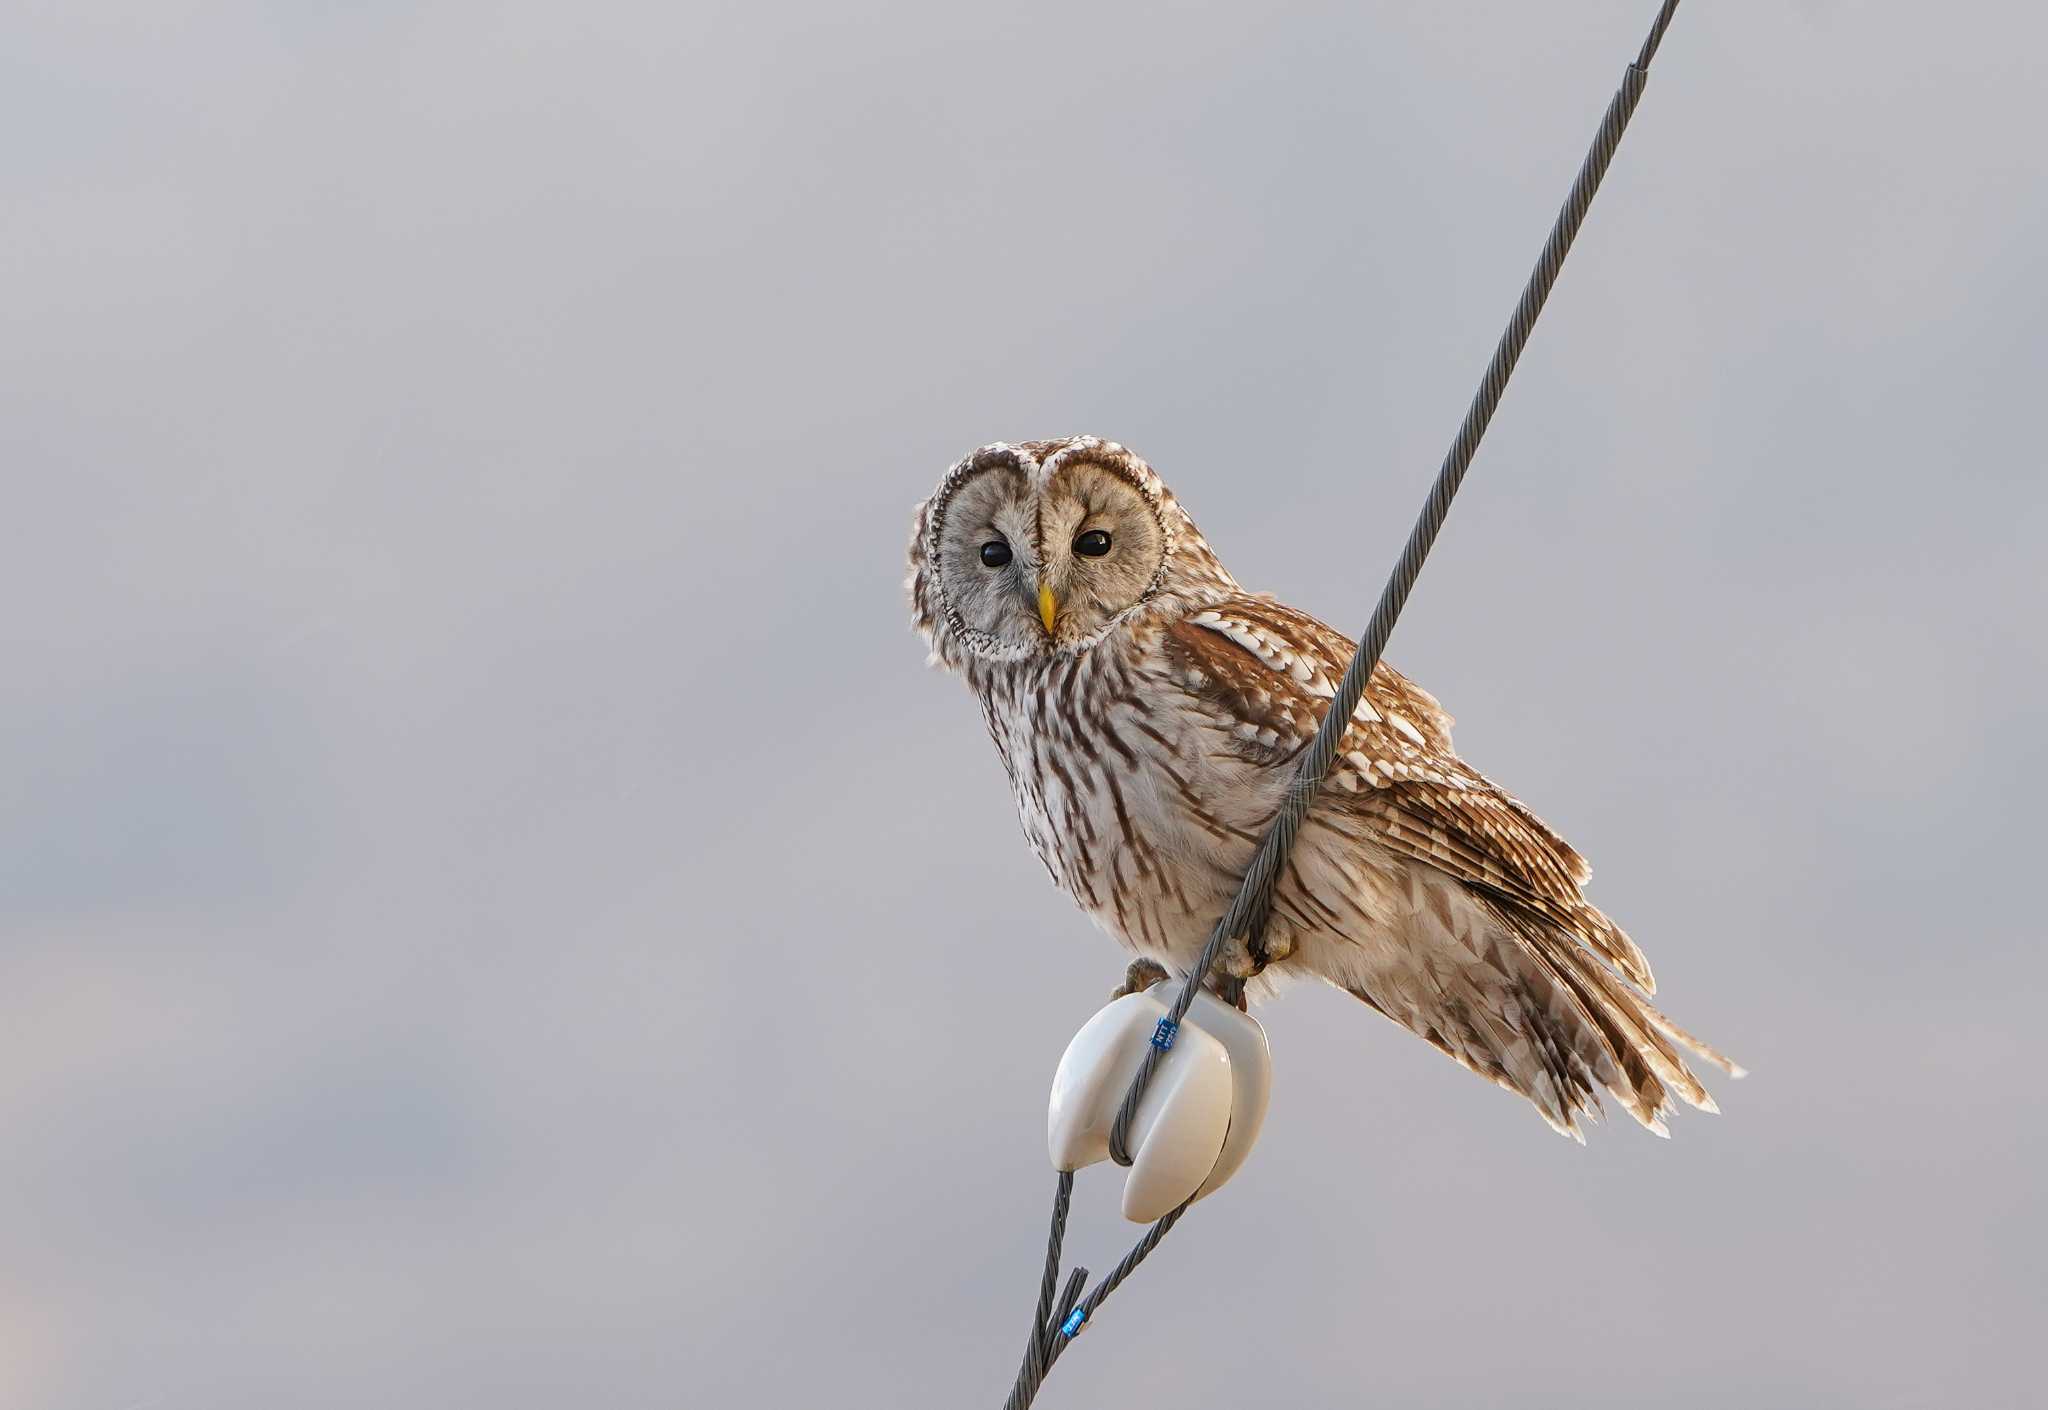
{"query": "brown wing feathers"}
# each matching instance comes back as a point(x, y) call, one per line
point(1273, 669)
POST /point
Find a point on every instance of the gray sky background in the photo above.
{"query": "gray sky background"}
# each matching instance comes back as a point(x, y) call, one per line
point(494, 911)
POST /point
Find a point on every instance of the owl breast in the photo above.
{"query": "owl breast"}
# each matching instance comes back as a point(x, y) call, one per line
point(1138, 809)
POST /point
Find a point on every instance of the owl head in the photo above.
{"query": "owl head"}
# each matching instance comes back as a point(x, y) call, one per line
point(1035, 548)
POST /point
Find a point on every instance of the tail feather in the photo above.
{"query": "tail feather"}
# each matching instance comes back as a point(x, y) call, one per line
point(1635, 1083)
point(1524, 1000)
point(1613, 944)
point(1533, 1061)
point(1663, 1024)
point(1589, 926)
point(1465, 1031)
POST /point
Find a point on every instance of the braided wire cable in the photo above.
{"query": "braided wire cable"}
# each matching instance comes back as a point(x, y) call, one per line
point(1054, 1333)
point(1250, 908)
point(1038, 1351)
point(1140, 1251)
point(1253, 903)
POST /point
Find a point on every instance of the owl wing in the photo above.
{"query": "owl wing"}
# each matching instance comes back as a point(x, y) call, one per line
point(1273, 671)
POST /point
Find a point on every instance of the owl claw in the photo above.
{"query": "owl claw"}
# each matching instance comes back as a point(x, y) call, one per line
point(1141, 975)
point(1231, 991)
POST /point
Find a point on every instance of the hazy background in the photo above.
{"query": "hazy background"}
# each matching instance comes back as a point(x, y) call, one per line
point(494, 911)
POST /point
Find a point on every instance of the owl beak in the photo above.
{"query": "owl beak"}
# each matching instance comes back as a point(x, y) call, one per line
point(1048, 607)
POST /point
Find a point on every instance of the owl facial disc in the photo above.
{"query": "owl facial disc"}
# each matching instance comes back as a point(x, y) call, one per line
point(1041, 547)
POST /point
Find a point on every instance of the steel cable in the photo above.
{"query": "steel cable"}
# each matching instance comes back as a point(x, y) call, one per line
point(1059, 1321)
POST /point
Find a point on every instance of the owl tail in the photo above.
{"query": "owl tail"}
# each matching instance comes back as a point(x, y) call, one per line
point(1646, 1048)
point(1547, 1020)
point(1535, 1052)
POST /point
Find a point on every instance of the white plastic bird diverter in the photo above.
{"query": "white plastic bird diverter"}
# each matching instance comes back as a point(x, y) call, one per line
point(1200, 1114)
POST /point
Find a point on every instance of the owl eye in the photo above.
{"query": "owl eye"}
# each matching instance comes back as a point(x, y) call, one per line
point(1092, 544)
point(995, 553)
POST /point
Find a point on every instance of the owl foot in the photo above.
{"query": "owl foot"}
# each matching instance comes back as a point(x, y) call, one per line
point(1141, 975)
point(1231, 990)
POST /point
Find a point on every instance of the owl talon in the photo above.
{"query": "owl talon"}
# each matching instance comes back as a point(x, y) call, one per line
point(1237, 960)
point(1141, 975)
point(1230, 990)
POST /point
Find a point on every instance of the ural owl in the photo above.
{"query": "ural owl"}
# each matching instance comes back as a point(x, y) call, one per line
point(1150, 712)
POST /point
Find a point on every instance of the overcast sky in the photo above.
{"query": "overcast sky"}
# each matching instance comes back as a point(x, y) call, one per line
point(495, 912)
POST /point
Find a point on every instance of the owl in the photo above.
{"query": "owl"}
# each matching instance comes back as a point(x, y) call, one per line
point(1150, 714)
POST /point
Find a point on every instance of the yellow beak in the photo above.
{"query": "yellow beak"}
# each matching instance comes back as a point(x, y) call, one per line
point(1047, 607)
